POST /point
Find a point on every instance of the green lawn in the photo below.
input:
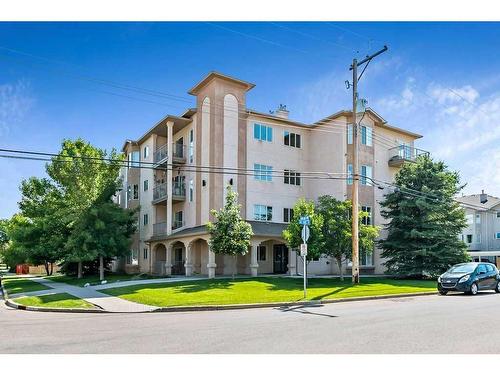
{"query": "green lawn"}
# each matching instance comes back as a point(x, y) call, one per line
point(94, 279)
point(15, 285)
point(58, 300)
point(262, 289)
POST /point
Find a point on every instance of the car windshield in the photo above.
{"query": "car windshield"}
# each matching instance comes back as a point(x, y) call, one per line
point(462, 268)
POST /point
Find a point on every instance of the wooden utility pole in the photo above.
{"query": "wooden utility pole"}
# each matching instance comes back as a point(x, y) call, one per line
point(355, 162)
point(355, 176)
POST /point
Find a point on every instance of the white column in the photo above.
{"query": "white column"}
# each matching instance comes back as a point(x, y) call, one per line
point(188, 265)
point(211, 264)
point(170, 133)
point(168, 262)
point(254, 264)
point(292, 262)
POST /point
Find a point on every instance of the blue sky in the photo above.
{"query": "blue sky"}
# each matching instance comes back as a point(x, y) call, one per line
point(437, 79)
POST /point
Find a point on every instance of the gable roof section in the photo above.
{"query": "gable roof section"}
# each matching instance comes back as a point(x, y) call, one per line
point(473, 201)
point(213, 75)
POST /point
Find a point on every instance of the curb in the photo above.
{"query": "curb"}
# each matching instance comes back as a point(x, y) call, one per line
point(286, 304)
point(15, 305)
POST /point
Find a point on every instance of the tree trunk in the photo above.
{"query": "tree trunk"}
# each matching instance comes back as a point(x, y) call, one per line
point(80, 273)
point(101, 268)
point(51, 268)
point(235, 261)
point(46, 264)
point(339, 263)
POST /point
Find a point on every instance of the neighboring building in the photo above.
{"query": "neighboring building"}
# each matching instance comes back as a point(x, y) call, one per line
point(176, 196)
point(482, 234)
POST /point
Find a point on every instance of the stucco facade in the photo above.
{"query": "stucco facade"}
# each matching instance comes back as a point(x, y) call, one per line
point(221, 142)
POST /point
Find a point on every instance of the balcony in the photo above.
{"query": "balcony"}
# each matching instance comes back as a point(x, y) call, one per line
point(178, 192)
point(160, 156)
point(404, 153)
point(159, 229)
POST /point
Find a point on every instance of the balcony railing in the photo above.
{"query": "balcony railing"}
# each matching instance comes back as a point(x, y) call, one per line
point(160, 191)
point(179, 190)
point(178, 153)
point(160, 154)
point(404, 153)
point(159, 228)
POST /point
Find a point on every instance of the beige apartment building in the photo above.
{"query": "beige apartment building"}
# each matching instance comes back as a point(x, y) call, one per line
point(247, 149)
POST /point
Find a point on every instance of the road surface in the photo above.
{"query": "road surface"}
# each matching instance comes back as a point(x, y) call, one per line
point(430, 324)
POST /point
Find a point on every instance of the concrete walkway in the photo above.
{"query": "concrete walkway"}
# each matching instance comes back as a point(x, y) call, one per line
point(106, 302)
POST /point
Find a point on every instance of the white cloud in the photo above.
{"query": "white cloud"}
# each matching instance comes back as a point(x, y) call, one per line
point(15, 101)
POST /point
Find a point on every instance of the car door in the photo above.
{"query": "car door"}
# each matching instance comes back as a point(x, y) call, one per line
point(482, 277)
point(492, 276)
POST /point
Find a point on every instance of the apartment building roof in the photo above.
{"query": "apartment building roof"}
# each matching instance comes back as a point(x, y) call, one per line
point(213, 75)
point(381, 122)
point(474, 201)
point(260, 228)
point(159, 127)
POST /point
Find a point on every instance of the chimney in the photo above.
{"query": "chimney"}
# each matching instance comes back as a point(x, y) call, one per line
point(282, 111)
point(483, 198)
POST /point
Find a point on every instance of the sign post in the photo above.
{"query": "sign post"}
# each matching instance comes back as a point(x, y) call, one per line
point(305, 222)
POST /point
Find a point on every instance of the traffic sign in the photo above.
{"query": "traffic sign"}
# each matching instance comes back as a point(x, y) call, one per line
point(304, 220)
point(305, 233)
point(303, 249)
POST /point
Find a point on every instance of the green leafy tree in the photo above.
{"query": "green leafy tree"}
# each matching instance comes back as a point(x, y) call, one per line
point(4, 237)
point(292, 234)
point(424, 221)
point(104, 230)
point(10, 254)
point(337, 230)
point(82, 172)
point(229, 233)
point(40, 231)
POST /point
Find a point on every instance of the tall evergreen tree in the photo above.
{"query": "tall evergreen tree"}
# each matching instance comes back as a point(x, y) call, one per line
point(229, 233)
point(424, 221)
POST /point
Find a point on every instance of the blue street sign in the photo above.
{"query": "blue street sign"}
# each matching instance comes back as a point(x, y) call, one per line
point(304, 220)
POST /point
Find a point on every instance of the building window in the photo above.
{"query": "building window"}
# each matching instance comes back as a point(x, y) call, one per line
point(287, 215)
point(145, 219)
point(497, 235)
point(146, 152)
point(136, 192)
point(191, 190)
point(367, 220)
point(366, 135)
point(470, 219)
point(469, 238)
point(498, 215)
point(261, 253)
point(291, 139)
point(478, 237)
point(262, 212)
point(478, 218)
point(349, 134)
point(291, 177)
point(134, 157)
point(263, 132)
point(178, 222)
point(145, 253)
point(191, 146)
point(263, 172)
point(366, 175)
point(146, 185)
point(349, 174)
point(365, 258)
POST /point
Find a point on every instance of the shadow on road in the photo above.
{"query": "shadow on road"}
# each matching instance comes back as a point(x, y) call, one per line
point(302, 310)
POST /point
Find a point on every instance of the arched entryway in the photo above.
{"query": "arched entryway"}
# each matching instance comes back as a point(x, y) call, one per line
point(178, 258)
point(199, 256)
point(159, 259)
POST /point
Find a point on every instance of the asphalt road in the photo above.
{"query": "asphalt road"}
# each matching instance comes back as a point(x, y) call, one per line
point(430, 324)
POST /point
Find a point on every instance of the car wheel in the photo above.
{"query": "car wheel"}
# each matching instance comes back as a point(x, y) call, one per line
point(473, 289)
point(443, 292)
point(497, 289)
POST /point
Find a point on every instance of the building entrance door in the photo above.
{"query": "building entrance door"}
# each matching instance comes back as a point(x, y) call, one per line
point(280, 259)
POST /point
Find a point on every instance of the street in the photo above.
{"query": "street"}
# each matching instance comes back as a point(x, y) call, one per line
point(432, 324)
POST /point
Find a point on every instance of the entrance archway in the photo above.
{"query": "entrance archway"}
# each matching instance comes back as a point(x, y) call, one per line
point(160, 258)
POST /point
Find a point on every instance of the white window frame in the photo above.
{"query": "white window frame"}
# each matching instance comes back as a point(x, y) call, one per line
point(367, 175)
point(146, 152)
point(191, 190)
point(349, 134)
point(366, 136)
point(263, 172)
point(261, 210)
point(350, 174)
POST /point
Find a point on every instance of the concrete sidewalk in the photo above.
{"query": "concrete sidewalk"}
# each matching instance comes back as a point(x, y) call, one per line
point(106, 302)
